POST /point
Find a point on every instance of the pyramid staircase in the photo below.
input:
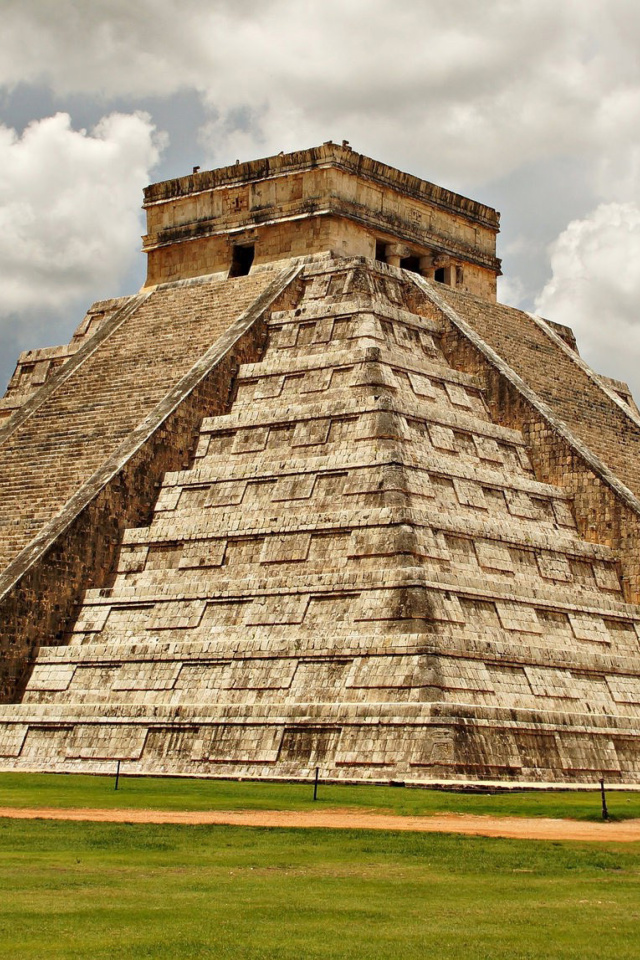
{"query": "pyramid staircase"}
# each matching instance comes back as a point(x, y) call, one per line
point(360, 572)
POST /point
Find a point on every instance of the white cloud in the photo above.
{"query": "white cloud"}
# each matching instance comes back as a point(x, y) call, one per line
point(595, 288)
point(69, 208)
point(461, 93)
point(510, 291)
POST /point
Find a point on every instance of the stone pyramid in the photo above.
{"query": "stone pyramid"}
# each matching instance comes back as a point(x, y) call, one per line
point(352, 523)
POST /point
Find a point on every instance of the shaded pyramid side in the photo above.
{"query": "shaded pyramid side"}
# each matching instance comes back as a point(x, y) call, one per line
point(360, 571)
point(82, 458)
point(606, 421)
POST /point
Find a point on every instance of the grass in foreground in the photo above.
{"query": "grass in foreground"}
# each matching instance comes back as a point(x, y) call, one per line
point(58, 790)
point(73, 891)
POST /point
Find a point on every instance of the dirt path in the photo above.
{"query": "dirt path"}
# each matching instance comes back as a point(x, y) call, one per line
point(513, 827)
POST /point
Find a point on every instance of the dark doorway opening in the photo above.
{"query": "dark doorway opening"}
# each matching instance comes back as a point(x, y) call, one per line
point(439, 275)
point(410, 263)
point(380, 251)
point(241, 260)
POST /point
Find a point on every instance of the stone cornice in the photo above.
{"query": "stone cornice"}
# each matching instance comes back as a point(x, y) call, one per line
point(327, 155)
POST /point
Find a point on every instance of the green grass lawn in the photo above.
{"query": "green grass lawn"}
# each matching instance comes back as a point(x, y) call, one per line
point(27, 790)
point(72, 891)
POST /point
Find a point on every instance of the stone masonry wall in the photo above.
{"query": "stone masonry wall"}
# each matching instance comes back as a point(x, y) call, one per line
point(40, 589)
point(273, 242)
point(66, 431)
point(325, 199)
point(603, 512)
point(36, 367)
point(359, 570)
point(609, 428)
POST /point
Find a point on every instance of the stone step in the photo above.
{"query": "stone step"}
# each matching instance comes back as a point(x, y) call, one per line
point(358, 408)
point(371, 308)
point(280, 366)
point(369, 457)
point(54, 448)
point(368, 596)
point(230, 643)
point(172, 526)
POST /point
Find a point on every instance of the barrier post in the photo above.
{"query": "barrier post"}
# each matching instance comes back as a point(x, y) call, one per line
point(605, 812)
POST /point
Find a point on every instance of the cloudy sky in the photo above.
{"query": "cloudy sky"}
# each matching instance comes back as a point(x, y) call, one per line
point(531, 106)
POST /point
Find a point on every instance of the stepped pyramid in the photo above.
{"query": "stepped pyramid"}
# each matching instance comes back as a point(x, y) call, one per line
point(320, 506)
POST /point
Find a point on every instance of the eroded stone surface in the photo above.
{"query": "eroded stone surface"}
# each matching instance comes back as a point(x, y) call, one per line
point(83, 457)
point(360, 571)
point(326, 199)
point(362, 520)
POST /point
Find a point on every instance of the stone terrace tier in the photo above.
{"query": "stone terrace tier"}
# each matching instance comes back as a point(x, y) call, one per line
point(83, 455)
point(156, 339)
point(598, 415)
point(360, 570)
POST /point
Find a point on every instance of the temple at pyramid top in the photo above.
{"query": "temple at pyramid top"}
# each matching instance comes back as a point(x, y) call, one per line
point(325, 199)
point(312, 500)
